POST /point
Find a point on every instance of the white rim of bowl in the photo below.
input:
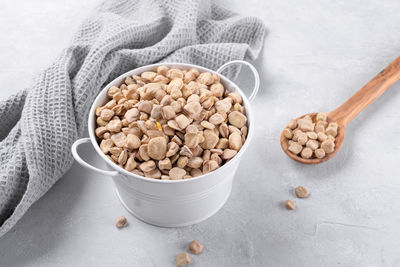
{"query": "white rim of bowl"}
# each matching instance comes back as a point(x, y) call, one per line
point(96, 146)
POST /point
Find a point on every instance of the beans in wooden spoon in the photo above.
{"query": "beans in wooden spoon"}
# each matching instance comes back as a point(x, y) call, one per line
point(349, 110)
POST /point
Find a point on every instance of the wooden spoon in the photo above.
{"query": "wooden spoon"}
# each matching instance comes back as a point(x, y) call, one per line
point(351, 108)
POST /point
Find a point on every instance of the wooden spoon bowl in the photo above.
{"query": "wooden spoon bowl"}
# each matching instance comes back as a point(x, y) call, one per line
point(338, 143)
point(350, 109)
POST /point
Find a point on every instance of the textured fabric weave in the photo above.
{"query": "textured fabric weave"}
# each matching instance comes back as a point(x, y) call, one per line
point(40, 124)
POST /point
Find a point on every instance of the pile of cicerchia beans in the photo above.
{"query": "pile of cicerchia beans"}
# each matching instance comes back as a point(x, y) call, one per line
point(311, 139)
point(171, 124)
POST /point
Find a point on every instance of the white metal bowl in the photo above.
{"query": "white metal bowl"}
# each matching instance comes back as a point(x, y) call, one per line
point(171, 203)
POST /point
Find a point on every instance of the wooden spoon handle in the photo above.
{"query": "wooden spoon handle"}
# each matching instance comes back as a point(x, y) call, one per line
point(366, 95)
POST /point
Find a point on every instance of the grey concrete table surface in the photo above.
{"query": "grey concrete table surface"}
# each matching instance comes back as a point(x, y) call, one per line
point(317, 54)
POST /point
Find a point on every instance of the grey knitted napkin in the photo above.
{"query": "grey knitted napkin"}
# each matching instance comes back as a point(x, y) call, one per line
point(40, 124)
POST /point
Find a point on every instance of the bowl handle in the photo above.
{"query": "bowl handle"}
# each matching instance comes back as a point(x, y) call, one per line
point(84, 163)
point(252, 68)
